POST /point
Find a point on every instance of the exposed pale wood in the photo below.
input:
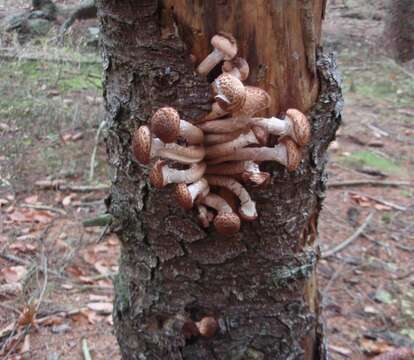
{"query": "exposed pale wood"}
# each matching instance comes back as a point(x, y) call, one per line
point(281, 51)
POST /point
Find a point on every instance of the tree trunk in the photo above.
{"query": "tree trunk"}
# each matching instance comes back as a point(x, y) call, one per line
point(399, 30)
point(260, 285)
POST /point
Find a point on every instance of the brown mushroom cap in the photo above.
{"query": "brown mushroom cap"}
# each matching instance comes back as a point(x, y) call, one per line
point(293, 154)
point(301, 126)
point(256, 100)
point(165, 124)
point(256, 179)
point(156, 175)
point(227, 223)
point(239, 63)
point(226, 44)
point(229, 92)
point(183, 196)
point(207, 326)
point(141, 144)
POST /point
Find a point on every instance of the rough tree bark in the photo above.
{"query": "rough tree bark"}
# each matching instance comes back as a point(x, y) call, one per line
point(260, 284)
point(399, 30)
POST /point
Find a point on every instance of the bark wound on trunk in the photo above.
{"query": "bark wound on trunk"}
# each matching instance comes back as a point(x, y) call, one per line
point(259, 284)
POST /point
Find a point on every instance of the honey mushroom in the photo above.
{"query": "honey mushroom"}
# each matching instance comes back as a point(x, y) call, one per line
point(221, 153)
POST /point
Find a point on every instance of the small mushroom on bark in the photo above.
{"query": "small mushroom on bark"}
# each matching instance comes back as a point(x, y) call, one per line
point(295, 125)
point(253, 175)
point(145, 148)
point(225, 48)
point(286, 153)
point(227, 148)
point(229, 92)
point(186, 194)
point(161, 175)
point(167, 125)
point(247, 205)
point(226, 221)
point(204, 216)
point(237, 67)
point(257, 100)
point(207, 326)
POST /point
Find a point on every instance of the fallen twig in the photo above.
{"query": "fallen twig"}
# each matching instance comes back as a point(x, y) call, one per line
point(100, 220)
point(354, 236)
point(43, 207)
point(85, 350)
point(373, 183)
point(95, 148)
point(59, 185)
point(380, 201)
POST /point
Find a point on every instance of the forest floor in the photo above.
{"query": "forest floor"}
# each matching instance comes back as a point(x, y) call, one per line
point(52, 267)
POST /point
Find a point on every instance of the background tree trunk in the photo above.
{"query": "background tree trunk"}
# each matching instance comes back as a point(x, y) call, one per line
point(260, 284)
point(399, 30)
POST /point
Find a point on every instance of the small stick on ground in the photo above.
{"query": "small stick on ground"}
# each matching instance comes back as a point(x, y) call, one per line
point(95, 148)
point(85, 350)
point(373, 183)
point(354, 236)
point(43, 207)
point(380, 201)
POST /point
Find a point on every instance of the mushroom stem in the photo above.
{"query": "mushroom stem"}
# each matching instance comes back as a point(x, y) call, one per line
point(286, 153)
point(190, 133)
point(224, 126)
point(228, 148)
point(225, 48)
point(210, 61)
point(145, 148)
point(213, 139)
point(277, 153)
point(295, 125)
point(247, 206)
point(182, 154)
point(187, 194)
point(226, 222)
point(204, 216)
point(231, 168)
point(161, 175)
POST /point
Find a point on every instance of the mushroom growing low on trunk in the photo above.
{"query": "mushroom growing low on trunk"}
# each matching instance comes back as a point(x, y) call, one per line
point(186, 194)
point(286, 153)
point(167, 125)
point(225, 48)
point(145, 148)
point(247, 205)
point(226, 221)
point(161, 175)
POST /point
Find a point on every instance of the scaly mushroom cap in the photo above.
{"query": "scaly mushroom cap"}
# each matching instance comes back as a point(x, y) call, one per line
point(229, 92)
point(239, 63)
point(156, 176)
point(227, 223)
point(256, 100)
point(301, 126)
point(207, 326)
point(183, 196)
point(261, 135)
point(260, 179)
point(293, 154)
point(226, 44)
point(165, 124)
point(141, 144)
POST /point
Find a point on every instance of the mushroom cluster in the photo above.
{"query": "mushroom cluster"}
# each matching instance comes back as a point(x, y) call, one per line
point(224, 150)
